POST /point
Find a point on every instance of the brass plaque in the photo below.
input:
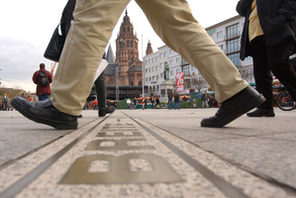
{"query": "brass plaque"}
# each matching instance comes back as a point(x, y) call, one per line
point(119, 134)
point(120, 172)
point(118, 145)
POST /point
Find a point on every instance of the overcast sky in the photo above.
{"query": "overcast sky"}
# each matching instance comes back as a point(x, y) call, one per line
point(27, 26)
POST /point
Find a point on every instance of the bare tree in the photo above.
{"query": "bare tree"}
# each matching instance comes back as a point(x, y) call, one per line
point(198, 82)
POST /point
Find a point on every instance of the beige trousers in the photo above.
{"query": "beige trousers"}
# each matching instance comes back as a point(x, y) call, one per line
point(172, 21)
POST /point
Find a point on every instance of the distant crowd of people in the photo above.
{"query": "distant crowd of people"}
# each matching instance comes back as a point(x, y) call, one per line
point(173, 101)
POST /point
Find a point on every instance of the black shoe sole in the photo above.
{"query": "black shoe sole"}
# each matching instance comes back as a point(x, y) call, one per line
point(56, 124)
point(234, 115)
point(258, 116)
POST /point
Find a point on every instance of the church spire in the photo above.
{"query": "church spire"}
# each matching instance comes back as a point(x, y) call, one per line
point(149, 48)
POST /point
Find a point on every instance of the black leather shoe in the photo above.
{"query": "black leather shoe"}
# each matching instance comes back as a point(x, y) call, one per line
point(44, 112)
point(104, 111)
point(261, 113)
point(110, 109)
point(234, 107)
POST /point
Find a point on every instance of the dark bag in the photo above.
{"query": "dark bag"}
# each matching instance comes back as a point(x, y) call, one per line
point(55, 46)
point(42, 79)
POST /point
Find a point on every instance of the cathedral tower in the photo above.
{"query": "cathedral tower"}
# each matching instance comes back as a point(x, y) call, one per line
point(126, 50)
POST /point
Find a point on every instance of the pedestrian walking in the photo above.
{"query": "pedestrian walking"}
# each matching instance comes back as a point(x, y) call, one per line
point(42, 78)
point(204, 100)
point(88, 36)
point(170, 99)
point(5, 102)
point(157, 101)
point(128, 102)
point(269, 38)
point(99, 84)
point(135, 102)
point(176, 100)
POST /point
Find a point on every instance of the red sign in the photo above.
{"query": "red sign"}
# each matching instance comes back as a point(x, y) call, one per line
point(180, 81)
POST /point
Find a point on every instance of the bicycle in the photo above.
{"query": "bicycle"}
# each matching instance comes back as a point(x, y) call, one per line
point(285, 101)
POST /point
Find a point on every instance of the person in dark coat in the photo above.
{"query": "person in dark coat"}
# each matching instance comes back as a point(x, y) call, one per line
point(99, 84)
point(269, 38)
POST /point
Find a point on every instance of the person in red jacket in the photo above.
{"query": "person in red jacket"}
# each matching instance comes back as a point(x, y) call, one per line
point(43, 90)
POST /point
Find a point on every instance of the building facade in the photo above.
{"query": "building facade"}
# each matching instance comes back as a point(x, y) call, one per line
point(226, 35)
point(125, 74)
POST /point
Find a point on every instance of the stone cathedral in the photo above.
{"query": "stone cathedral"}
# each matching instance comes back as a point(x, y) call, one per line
point(127, 60)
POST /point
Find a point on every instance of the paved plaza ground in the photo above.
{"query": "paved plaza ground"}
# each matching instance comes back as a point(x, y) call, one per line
point(149, 153)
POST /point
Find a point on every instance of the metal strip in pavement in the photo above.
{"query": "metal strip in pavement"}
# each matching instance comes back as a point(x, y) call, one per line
point(225, 187)
point(18, 186)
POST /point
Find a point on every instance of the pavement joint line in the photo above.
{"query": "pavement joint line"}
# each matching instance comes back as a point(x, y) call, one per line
point(19, 185)
point(290, 189)
point(238, 136)
point(226, 188)
point(286, 189)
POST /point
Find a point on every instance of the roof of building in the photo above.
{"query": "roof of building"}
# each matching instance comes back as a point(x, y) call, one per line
point(223, 22)
point(110, 69)
point(110, 55)
point(135, 68)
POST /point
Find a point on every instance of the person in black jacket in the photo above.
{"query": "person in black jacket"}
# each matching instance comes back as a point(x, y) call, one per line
point(99, 84)
point(269, 38)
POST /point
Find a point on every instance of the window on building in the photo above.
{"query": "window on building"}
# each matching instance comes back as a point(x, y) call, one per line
point(219, 35)
point(235, 58)
point(186, 70)
point(233, 45)
point(171, 62)
point(160, 55)
point(172, 73)
point(178, 70)
point(165, 54)
point(221, 47)
point(232, 31)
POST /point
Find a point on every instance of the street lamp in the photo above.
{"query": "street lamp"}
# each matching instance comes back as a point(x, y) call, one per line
point(117, 85)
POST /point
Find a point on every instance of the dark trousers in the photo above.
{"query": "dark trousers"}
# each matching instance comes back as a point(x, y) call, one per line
point(273, 59)
point(101, 92)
